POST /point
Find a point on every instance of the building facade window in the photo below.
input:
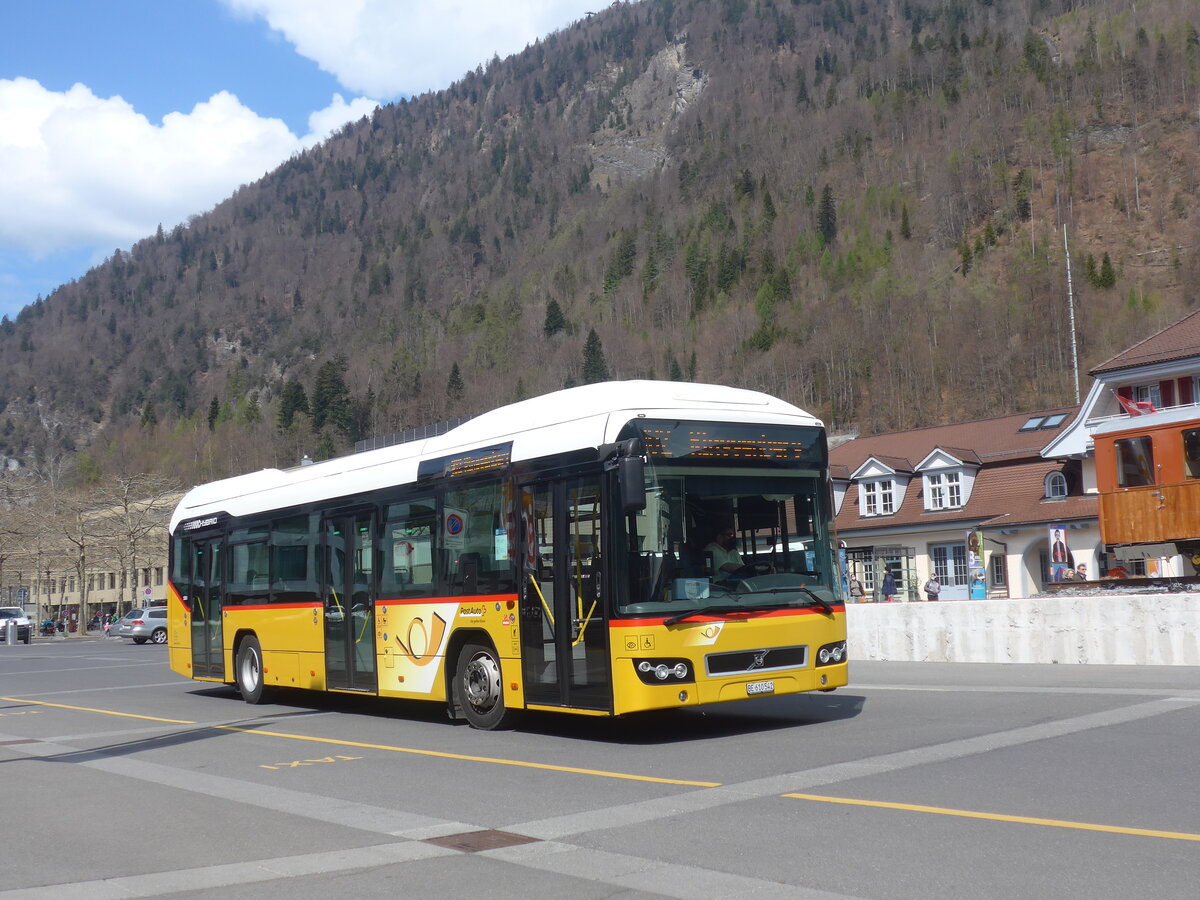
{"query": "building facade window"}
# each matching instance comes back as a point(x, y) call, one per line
point(1151, 393)
point(945, 490)
point(999, 569)
point(1056, 486)
point(158, 576)
point(878, 498)
point(949, 563)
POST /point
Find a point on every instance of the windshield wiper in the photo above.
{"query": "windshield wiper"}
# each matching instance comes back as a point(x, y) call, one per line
point(799, 587)
point(704, 611)
point(824, 603)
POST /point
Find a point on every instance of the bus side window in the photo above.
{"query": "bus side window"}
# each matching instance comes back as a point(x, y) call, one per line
point(474, 548)
point(292, 558)
point(407, 548)
point(248, 582)
point(181, 569)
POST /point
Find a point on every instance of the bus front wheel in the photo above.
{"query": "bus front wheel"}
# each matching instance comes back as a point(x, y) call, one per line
point(481, 688)
point(249, 669)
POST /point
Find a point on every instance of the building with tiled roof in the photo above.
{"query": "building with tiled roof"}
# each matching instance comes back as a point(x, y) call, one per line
point(1152, 387)
point(998, 493)
point(1162, 372)
point(959, 499)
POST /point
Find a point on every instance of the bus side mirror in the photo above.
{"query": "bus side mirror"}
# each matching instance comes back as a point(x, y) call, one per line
point(631, 473)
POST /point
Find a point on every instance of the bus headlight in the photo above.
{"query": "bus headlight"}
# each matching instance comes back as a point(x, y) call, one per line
point(664, 671)
point(832, 654)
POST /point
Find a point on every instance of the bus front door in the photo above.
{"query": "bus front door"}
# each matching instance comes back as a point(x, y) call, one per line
point(348, 595)
point(563, 633)
point(208, 653)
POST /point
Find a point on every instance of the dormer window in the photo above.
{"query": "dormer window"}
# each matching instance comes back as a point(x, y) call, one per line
point(1056, 486)
point(878, 498)
point(944, 490)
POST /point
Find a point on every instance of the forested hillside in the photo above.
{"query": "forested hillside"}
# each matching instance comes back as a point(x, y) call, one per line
point(856, 205)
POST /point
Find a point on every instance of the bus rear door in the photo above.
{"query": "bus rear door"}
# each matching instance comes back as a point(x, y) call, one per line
point(348, 596)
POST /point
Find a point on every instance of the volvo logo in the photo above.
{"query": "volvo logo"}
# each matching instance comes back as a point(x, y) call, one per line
point(760, 657)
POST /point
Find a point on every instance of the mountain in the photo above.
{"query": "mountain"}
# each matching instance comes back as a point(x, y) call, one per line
point(857, 206)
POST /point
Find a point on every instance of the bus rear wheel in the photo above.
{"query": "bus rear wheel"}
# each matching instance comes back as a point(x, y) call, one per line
point(481, 688)
point(249, 671)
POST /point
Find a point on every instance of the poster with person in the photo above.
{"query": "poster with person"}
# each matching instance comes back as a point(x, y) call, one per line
point(977, 586)
point(974, 550)
point(1060, 554)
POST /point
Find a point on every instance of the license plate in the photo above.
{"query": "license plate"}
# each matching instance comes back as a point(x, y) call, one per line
point(760, 687)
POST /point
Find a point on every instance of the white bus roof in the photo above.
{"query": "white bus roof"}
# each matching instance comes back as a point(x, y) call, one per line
point(566, 420)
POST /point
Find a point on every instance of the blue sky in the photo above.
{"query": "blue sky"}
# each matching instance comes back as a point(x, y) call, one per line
point(116, 117)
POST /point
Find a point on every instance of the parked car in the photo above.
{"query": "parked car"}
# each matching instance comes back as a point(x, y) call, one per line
point(114, 628)
point(7, 613)
point(141, 625)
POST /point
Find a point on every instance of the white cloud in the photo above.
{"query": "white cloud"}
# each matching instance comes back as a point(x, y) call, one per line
point(81, 170)
point(388, 48)
point(325, 121)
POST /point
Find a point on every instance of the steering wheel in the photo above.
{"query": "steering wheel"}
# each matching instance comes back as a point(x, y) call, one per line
point(754, 569)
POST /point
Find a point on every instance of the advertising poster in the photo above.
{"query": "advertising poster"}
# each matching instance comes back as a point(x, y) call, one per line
point(1060, 554)
point(976, 568)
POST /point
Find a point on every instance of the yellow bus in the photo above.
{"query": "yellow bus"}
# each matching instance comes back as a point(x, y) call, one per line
point(601, 550)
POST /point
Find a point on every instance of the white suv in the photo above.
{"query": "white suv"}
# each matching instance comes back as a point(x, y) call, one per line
point(7, 614)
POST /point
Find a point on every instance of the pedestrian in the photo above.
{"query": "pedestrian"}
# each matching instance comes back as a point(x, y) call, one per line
point(889, 584)
point(1081, 572)
point(933, 587)
point(856, 590)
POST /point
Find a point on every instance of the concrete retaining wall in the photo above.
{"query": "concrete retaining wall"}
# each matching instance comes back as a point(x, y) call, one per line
point(1126, 629)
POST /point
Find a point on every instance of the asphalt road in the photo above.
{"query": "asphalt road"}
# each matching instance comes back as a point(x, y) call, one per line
point(921, 780)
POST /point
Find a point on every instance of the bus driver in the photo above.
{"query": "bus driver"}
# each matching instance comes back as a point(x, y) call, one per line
point(723, 547)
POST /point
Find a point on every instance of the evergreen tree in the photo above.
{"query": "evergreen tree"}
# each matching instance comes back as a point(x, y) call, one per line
point(331, 398)
point(214, 410)
point(595, 369)
point(905, 226)
point(827, 216)
point(149, 419)
point(291, 401)
point(555, 322)
point(768, 205)
point(248, 411)
point(1023, 184)
point(454, 384)
point(1108, 275)
point(674, 373)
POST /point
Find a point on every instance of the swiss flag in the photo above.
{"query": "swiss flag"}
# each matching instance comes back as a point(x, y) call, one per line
point(1136, 407)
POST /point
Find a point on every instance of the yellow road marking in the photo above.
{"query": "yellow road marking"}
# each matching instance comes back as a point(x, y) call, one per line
point(999, 817)
point(342, 743)
point(103, 712)
point(481, 759)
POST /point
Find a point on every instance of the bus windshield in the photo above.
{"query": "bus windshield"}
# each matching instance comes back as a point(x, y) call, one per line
point(721, 534)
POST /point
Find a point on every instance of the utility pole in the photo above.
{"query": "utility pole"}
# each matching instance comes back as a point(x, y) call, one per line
point(1071, 312)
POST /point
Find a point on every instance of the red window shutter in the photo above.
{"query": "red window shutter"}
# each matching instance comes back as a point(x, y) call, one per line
point(1166, 390)
point(1126, 392)
point(1185, 392)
